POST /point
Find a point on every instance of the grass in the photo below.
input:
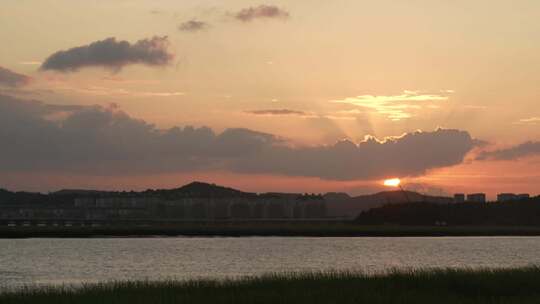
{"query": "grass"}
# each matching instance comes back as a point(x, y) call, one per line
point(323, 229)
point(415, 286)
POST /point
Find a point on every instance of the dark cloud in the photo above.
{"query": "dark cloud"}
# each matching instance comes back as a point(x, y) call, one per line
point(193, 26)
point(277, 112)
point(410, 155)
point(11, 79)
point(105, 141)
point(111, 53)
point(529, 148)
point(261, 11)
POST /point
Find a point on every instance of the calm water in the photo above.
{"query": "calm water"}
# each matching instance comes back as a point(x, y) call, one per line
point(55, 261)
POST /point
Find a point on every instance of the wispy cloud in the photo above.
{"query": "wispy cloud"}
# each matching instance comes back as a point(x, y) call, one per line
point(343, 115)
point(119, 80)
point(157, 12)
point(529, 148)
point(118, 92)
point(528, 121)
point(475, 107)
point(30, 62)
point(193, 26)
point(159, 94)
point(395, 107)
point(261, 11)
point(276, 112)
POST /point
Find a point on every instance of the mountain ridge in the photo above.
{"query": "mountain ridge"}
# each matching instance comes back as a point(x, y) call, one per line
point(339, 205)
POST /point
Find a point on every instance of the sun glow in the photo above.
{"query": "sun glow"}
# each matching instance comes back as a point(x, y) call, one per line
point(392, 182)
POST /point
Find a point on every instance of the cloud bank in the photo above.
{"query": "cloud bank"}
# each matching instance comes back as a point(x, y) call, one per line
point(261, 11)
point(12, 79)
point(112, 54)
point(193, 26)
point(105, 141)
point(529, 148)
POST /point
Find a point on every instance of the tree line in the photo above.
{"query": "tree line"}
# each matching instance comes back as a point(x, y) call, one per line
point(523, 213)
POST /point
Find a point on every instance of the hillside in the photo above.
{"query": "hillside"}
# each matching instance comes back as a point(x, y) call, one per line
point(521, 213)
point(342, 205)
point(199, 190)
point(339, 205)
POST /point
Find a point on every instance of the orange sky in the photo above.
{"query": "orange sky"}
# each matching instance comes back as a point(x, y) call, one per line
point(341, 70)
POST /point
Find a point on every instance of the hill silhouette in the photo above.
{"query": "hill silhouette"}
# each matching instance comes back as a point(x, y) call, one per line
point(339, 205)
point(519, 213)
point(342, 205)
point(199, 190)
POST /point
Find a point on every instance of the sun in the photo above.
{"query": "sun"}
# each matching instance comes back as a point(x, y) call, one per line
point(392, 182)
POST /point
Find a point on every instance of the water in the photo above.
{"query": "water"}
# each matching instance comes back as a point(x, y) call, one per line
point(74, 261)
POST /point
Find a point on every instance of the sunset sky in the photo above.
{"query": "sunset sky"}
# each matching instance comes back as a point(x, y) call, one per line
point(303, 96)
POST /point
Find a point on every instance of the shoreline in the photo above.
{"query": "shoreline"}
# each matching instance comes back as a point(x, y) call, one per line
point(265, 230)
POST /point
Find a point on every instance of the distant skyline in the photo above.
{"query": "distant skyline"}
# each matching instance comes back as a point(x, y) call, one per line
point(297, 96)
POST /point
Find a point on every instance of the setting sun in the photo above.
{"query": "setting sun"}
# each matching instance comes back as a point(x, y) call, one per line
point(392, 182)
point(253, 125)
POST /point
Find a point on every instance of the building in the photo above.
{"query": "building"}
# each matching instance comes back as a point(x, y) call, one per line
point(261, 206)
point(523, 196)
point(512, 197)
point(476, 198)
point(459, 198)
point(506, 197)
